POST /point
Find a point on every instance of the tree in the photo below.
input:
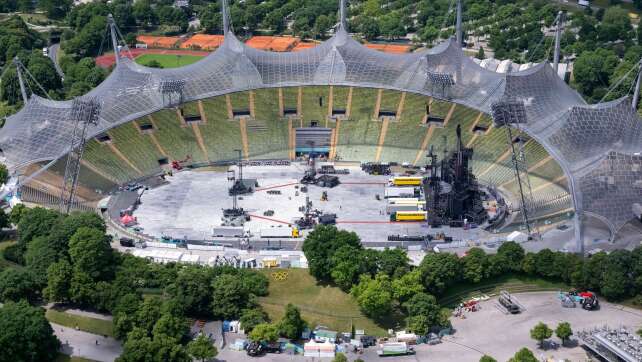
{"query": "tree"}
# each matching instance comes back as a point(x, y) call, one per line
point(62, 232)
point(201, 348)
point(264, 332)
point(26, 334)
point(193, 288)
point(252, 317)
point(91, 253)
point(511, 254)
point(439, 271)
point(17, 284)
point(228, 297)
point(523, 355)
point(475, 265)
point(423, 313)
point(16, 213)
point(321, 244)
point(292, 325)
point(340, 357)
point(592, 69)
point(347, 266)
point(481, 55)
point(486, 358)
point(4, 174)
point(36, 222)
point(124, 313)
point(59, 276)
point(564, 331)
point(171, 325)
point(39, 256)
point(407, 285)
point(393, 262)
point(616, 283)
point(540, 333)
point(374, 296)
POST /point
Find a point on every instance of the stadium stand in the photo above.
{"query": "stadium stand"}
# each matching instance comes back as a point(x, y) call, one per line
point(137, 147)
point(177, 139)
point(270, 139)
point(222, 136)
point(101, 157)
point(314, 104)
point(359, 135)
point(404, 136)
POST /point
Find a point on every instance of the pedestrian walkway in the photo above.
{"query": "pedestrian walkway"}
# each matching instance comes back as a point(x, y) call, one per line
point(82, 344)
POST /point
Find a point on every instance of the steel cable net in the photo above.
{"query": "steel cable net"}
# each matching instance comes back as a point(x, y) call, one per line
point(587, 141)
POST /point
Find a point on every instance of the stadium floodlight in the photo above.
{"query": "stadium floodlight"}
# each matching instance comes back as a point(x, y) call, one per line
point(442, 79)
point(508, 112)
point(172, 91)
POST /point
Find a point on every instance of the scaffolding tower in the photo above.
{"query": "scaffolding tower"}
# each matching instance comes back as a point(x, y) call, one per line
point(507, 113)
point(84, 112)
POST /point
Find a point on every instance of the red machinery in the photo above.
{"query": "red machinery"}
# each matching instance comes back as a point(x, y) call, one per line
point(178, 164)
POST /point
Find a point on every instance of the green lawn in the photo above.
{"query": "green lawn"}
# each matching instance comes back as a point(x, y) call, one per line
point(168, 60)
point(91, 325)
point(64, 358)
point(319, 305)
point(511, 283)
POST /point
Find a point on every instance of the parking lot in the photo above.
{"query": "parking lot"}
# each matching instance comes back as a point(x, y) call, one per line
point(489, 331)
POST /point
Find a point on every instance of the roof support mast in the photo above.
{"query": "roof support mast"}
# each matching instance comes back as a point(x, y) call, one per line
point(114, 37)
point(558, 38)
point(458, 30)
point(636, 93)
point(343, 23)
point(227, 26)
point(23, 90)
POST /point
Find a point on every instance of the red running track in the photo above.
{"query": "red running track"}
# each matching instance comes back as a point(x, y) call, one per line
point(270, 219)
point(107, 60)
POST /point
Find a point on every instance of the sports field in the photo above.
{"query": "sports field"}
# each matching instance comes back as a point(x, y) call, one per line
point(168, 60)
point(319, 304)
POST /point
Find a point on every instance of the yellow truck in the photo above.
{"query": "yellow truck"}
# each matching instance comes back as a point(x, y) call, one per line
point(409, 216)
point(406, 181)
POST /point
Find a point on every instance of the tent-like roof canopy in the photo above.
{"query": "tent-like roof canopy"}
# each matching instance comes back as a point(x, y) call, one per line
point(597, 146)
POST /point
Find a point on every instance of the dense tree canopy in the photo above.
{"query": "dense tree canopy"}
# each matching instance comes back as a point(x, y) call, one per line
point(26, 334)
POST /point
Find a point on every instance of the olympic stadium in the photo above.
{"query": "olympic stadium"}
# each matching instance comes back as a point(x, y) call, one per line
point(583, 161)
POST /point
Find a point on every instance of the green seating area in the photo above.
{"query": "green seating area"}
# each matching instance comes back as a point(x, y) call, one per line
point(137, 147)
point(190, 108)
point(240, 101)
point(363, 103)
point(340, 97)
point(100, 156)
point(290, 95)
point(86, 177)
point(221, 135)
point(389, 100)
point(312, 110)
point(358, 138)
point(177, 140)
point(404, 136)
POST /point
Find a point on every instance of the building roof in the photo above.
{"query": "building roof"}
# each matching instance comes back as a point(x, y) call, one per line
point(597, 146)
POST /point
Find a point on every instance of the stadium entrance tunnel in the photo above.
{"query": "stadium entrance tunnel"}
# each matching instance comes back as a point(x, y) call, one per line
point(338, 122)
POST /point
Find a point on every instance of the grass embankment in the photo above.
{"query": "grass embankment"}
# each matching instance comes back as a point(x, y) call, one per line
point(319, 304)
point(512, 283)
point(4, 263)
point(168, 60)
point(87, 324)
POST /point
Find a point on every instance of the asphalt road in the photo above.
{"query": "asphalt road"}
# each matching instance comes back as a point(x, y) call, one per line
point(53, 55)
point(83, 344)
